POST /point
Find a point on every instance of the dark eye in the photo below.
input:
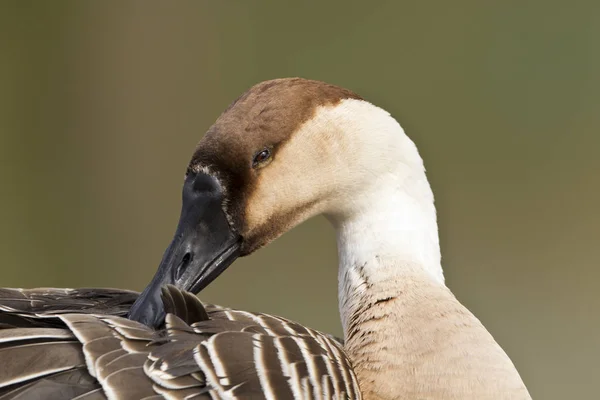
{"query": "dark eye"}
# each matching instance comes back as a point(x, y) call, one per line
point(261, 157)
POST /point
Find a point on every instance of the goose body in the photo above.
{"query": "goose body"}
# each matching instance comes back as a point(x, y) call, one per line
point(285, 151)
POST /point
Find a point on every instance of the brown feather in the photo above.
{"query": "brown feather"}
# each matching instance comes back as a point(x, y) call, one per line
point(128, 383)
point(183, 304)
point(11, 335)
point(66, 384)
point(124, 361)
point(202, 352)
point(97, 394)
point(102, 364)
point(21, 363)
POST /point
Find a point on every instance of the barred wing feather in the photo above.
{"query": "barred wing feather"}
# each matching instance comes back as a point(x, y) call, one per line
point(67, 343)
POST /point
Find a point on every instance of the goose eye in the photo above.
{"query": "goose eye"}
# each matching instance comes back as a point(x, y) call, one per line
point(261, 157)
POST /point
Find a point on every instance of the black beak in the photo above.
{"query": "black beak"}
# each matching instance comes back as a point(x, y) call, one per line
point(204, 246)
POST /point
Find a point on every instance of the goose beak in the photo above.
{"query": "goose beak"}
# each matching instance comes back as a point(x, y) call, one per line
point(204, 246)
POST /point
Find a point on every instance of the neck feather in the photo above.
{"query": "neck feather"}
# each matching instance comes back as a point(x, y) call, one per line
point(405, 333)
point(399, 318)
point(383, 211)
point(393, 234)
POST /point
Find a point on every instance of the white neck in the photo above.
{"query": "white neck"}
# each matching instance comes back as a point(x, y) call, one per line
point(405, 333)
point(395, 227)
point(383, 210)
point(392, 234)
point(395, 307)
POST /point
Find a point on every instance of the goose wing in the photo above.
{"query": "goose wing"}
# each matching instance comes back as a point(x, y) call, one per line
point(67, 343)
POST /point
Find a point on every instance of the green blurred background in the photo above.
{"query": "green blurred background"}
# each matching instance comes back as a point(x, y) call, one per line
point(102, 102)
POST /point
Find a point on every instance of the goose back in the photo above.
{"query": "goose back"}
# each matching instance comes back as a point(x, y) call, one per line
point(68, 343)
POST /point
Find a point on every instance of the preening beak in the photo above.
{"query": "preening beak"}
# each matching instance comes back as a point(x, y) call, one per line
point(204, 246)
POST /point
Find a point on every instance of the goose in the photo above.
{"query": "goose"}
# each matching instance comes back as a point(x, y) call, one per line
point(284, 151)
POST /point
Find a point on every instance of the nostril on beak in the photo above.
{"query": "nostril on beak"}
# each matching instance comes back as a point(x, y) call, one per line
point(185, 261)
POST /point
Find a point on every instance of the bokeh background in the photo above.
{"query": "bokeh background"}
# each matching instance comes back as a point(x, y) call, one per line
point(102, 102)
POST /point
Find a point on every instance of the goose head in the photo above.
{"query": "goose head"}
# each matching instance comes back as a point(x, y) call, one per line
point(284, 151)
